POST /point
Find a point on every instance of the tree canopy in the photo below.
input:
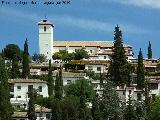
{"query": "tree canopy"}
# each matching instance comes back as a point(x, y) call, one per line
point(75, 90)
point(119, 72)
point(12, 50)
point(39, 58)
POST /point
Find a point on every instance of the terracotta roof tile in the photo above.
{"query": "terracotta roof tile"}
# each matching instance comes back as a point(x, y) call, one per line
point(25, 81)
point(86, 43)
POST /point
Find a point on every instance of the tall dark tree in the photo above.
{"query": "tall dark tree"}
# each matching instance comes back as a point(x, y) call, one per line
point(25, 62)
point(5, 105)
point(149, 51)
point(118, 67)
point(110, 106)
point(31, 107)
point(82, 109)
point(140, 71)
point(96, 113)
point(58, 85)
point(130, 113)
point(15, 73)
point(50, 80)
point(56, 110)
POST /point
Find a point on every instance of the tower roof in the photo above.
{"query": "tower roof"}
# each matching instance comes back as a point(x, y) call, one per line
point(45, 22)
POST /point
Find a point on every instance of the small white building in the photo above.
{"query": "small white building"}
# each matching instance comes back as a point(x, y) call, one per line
point(19, 89)
point(42, 113)
point(69, 77)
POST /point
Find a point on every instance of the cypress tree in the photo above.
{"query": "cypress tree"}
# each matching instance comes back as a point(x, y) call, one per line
point(140, 71)
point(31, 108)
point(149, 51)
point(110, 106)
point(82, 109)
point(56, 110)
point(5, 105)
point(118, 67)
point(129, 112)
point(25, 62)
point(50, 80)
point(15, 73)
point(58, 85)
point(96, 114)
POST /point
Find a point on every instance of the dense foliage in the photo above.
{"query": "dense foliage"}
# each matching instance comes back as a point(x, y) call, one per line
point(119, 73)
point(5, 105)
point(25, 62)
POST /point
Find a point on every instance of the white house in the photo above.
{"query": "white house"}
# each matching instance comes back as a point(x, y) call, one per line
point(69, 77)
point(42, 113)
point(19, 89)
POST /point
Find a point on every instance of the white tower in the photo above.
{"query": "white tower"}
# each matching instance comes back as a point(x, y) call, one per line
point(46, 38)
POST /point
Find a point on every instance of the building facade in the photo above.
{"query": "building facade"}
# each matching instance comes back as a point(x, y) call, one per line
point(98, 50)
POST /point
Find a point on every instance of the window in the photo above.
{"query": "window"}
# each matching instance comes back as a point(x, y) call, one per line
point(11, 96)
point(153, 97)
point(90, 68)
point(44, 28)
point(139, 97)
point(105, 57)
point(19, 96)
point(90, 51)
point(153, 86)
point(124, 93)
point(40, 88)
point(48, 116)
point(98, 68)
point(68, 82)
point(30, 88)
point(18, 87)
point(11, 88)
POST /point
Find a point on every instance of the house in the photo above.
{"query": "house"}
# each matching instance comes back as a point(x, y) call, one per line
point(42, 113)
point(19, 89)
point(69, 77)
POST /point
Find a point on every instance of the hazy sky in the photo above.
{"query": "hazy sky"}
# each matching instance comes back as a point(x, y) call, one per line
point(83, 20)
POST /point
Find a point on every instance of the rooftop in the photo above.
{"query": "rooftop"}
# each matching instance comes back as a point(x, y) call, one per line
point(85, 44)
point(25, 81)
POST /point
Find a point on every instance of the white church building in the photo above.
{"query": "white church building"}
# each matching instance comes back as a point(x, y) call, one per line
point(98, 50)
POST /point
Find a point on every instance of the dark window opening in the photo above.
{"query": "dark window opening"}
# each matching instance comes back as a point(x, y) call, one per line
point(40, 88)
point(44, 28)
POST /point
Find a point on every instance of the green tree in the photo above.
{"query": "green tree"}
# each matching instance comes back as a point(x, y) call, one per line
point(31, 107)
point(70, 108)
point(50, 81)
point(96, 113)
point(12, 50)
point(15, 73)
point(82, 108)
point(63, 55)
point(118, 67)
point(39, 58)
point(149, 51)
point(110, 103)
point(56, 110)
point(5, 105)
point(155, 109)
point(140, 71)
point(130, 113)
point(59, 85)
point(25, 62)
point(75, 90)
point(80, 54)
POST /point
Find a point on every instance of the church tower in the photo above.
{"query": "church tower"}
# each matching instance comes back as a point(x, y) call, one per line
point(46, 38)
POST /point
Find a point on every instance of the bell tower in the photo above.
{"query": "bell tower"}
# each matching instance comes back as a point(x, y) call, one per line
point(46, 38)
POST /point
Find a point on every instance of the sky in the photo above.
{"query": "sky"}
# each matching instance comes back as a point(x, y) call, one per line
point(82, 20)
